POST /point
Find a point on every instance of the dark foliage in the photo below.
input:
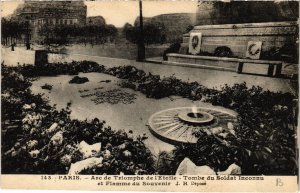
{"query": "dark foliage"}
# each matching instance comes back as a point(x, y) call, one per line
point(223, 51)
point(65, 34)
point(287, 53)
point(72, 68)
point(47, 86)
point(29, 147)
point(12, 30)
point(153, 33)
point(173, 48)
point(78, 80)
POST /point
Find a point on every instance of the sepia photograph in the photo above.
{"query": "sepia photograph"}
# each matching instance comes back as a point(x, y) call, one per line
point(121, 93)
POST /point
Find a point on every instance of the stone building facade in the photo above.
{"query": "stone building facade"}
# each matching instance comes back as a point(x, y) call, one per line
point(37, 14)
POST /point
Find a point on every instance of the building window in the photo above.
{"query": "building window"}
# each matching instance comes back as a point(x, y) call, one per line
point(71, 21)
point(66, 22)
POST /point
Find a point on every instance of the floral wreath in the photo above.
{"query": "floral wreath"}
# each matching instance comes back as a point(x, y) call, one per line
point(251, 52)
point(195, 41)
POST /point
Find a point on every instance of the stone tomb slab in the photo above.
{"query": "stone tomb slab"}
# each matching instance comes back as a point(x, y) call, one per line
point(254, 68)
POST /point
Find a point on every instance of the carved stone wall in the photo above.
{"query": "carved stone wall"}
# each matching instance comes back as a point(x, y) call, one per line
point(273, 35)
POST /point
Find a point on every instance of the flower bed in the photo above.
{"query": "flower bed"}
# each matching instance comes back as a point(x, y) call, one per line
point(265, 137)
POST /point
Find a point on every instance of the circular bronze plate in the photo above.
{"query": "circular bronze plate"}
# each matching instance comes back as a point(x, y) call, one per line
point(178, 125)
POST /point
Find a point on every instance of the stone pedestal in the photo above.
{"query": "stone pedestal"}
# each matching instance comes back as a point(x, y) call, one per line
point(273, 35)
point(41, 57)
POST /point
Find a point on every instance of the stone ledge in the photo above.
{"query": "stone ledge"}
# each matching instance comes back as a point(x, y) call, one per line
point(259, 67)
point(247, 25)
point(198, 66)
point(225, 59)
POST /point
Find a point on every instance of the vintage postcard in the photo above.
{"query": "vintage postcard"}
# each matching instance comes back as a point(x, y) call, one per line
point(183, 96)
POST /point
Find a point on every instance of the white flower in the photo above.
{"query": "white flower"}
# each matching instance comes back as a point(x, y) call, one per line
point(33, 105)
point(33, 130)
point(17, 145)
point(57, 139)
point(21, 77)
point(37, 123)
point(66, 160)
point(14, 153)
point(26, 127)
point(127, 153)
point(216, 130)
point(52, 128)
point(232, 131)
point(34, 153)
point(31, 144)
point(231, 128)
point(89, 150)
point(207, 131)
point(25, 120)
point(106, 154)
point(224, 135)
point(122, 146)
point(26, 107)
point(61, 122)
point(230, 125)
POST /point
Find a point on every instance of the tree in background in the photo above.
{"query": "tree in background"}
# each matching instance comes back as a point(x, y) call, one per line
point(189, 28)
point(111, 32)
point(153, 33)
point(65, 34)
point(130, 33)
point(11, 31)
